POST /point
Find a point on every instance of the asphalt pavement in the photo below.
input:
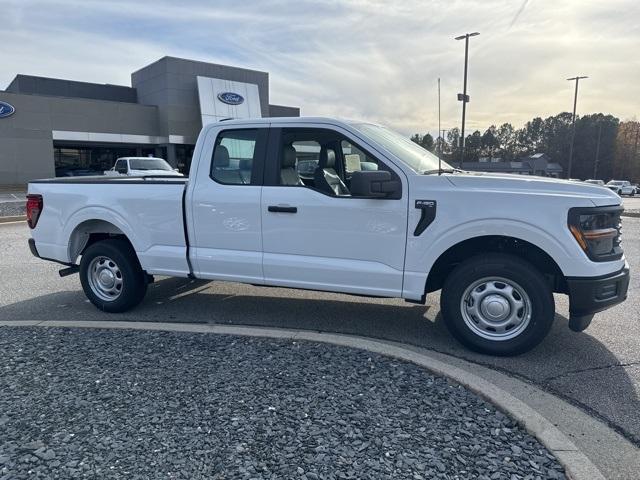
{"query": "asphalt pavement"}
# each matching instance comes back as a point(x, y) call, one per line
point(598, 370)
point(632, 204)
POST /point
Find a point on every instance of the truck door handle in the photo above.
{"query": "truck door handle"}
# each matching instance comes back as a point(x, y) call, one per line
point(282, 209)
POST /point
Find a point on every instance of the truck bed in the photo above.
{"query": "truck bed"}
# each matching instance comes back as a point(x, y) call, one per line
point(148, 210)
point(100, 179)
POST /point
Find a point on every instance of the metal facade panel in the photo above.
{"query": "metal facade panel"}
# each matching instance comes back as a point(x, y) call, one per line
point(213, 109)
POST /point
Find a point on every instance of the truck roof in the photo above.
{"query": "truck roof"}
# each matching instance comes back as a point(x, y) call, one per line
point(277, 120)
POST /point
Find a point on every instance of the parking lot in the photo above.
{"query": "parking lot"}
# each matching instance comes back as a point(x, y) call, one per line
point(598, 369)
point(632, 204)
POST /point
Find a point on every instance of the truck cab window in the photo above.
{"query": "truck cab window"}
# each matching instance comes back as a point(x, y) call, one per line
point(322, 159)
point(235, 156)
point(311, 158)
point(355, 160)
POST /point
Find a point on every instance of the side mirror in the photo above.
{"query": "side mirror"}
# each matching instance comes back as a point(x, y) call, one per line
point(122, 170)
point(374, 184)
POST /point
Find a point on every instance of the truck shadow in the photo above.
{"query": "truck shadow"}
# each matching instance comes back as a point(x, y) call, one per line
point(575, 365)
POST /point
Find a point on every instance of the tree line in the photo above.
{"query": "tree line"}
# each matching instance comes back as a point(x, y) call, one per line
point(604, 146)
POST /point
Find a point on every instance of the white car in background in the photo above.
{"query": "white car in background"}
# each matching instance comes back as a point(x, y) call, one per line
point(142, 166)
point(621, 187)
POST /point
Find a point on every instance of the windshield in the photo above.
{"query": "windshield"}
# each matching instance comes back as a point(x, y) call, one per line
point(410, 153)
point(149, 164)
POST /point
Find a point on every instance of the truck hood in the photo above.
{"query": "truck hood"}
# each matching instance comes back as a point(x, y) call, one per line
point(600, 196)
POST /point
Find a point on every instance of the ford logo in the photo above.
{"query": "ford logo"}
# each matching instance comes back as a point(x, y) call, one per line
point(7, 109)
point(230, 98)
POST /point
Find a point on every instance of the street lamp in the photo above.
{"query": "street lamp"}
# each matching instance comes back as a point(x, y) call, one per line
point(573, 122)
point(463, 97)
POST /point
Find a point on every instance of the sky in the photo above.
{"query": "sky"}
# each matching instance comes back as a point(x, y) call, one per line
point(374, 60)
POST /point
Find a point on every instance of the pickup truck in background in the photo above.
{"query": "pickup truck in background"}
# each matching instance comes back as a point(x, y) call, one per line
point(347, 207)
point(140, 166)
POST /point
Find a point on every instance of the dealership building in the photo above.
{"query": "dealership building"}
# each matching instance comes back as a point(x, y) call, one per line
point(51, 127)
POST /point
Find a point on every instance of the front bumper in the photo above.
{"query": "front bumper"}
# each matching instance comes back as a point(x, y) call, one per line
point(589, 295)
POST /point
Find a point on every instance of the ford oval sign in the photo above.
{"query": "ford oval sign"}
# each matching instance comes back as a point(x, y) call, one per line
point(230, 98)
point(7, 109)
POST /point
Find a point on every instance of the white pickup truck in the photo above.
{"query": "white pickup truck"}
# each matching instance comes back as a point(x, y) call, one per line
point(141, 166)
point(349, 207)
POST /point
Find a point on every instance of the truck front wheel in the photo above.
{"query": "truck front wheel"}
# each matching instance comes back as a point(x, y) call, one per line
point(111, 276)
point(497, 304)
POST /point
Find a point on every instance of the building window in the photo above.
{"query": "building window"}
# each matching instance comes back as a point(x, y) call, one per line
point(71, 160)
point(184, 154)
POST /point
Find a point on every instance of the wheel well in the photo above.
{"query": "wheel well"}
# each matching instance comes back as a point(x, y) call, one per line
point(90, 232)
point(495, 244)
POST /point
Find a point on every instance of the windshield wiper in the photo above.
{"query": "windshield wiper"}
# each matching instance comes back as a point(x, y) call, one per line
point(442, 170)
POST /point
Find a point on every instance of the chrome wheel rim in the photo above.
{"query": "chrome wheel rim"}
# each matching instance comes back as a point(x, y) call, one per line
point(496, 308)
point(105, 278)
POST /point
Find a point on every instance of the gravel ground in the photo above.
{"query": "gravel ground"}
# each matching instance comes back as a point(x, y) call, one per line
point(80, 403)
point(9, 209)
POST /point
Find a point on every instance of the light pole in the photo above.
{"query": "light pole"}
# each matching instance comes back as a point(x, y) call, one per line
point(439, 140)
point(463, 97)
point(573, 122)
point(438, 106)
point(595, 164)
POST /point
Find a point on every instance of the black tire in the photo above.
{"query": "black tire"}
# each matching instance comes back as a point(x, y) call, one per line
point(131, 278)
point(508, 267)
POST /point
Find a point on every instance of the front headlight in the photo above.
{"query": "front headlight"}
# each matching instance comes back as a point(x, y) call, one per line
point(598, 231)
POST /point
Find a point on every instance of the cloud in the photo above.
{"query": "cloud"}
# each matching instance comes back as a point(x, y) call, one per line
point(369, 59)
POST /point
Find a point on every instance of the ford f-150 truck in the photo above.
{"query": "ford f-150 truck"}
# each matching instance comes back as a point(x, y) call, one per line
point(348, 207)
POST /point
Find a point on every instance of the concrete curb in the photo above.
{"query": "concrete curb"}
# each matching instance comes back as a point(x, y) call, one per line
point(15, 218)
point(631, 214)
point(577, 465)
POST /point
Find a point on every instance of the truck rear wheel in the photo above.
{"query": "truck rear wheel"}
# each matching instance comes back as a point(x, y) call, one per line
point(111, 276)
point(497, 304)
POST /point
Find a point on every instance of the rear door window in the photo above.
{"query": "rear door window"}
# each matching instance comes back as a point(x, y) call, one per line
point(238, 157)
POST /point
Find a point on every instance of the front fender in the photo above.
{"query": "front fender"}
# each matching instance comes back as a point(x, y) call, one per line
point(424, 251)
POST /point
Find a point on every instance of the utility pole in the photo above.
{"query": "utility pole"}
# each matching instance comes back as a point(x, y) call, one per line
point(443, 138)
point(463, 97)
point(573, 122)
point(595, 164)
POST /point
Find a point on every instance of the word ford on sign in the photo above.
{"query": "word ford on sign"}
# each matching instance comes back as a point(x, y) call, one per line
point(6, 109)
point(230, 98)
